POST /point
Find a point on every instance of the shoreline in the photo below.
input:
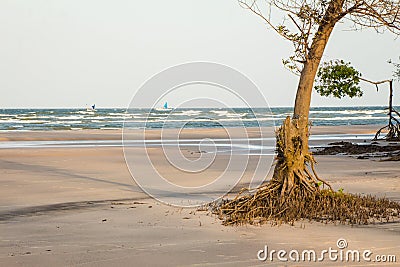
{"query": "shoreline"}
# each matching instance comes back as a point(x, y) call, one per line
point(112, 134)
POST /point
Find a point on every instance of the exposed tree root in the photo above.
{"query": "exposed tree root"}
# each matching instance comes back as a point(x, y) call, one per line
point(295, 191)
point(393, 127)
point(325, 206)
point(393, 132)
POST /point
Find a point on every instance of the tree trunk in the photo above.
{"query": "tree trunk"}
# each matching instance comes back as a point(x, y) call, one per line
point(295, 165)
point(306, 83)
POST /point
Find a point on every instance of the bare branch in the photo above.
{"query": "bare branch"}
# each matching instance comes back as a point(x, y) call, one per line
point(309, 17)
point(375, 83)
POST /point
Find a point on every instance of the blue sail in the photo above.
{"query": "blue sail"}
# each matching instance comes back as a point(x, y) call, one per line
point(166, 105)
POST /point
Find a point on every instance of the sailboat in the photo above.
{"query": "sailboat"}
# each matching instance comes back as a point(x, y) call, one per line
point(91, 108)
point(164, 108)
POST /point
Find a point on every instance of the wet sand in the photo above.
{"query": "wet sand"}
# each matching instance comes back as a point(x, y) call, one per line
point(79, 206)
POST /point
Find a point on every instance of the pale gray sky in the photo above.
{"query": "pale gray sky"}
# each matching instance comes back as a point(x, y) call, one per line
point(69, 53)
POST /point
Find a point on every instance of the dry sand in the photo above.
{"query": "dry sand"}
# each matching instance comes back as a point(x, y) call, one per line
point(80, 207)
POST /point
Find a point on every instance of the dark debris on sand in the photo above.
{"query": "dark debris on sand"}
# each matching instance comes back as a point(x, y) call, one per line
point(389, 151)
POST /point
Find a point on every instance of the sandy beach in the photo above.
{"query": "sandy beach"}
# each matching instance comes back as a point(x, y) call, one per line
point(76, 204)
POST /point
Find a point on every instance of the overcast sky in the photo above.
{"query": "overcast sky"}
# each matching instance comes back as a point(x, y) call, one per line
point(75, 52)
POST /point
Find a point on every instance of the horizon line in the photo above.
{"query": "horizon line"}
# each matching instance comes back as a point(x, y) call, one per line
point(107, 107)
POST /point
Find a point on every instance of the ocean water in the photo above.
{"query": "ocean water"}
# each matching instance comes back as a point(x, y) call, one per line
point(116, 118)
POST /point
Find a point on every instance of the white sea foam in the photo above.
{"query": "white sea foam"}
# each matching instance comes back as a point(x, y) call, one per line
point(220, 112)
point(377, 111)
point(349, 118)
point(187, 113)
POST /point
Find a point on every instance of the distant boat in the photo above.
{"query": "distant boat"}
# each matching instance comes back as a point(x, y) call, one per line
point(91, 108)
point(164, 108)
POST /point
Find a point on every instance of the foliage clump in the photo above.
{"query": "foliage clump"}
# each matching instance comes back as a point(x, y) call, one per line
point(338, 79)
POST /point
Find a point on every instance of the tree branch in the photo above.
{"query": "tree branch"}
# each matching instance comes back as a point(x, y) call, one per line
point(375, 83)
